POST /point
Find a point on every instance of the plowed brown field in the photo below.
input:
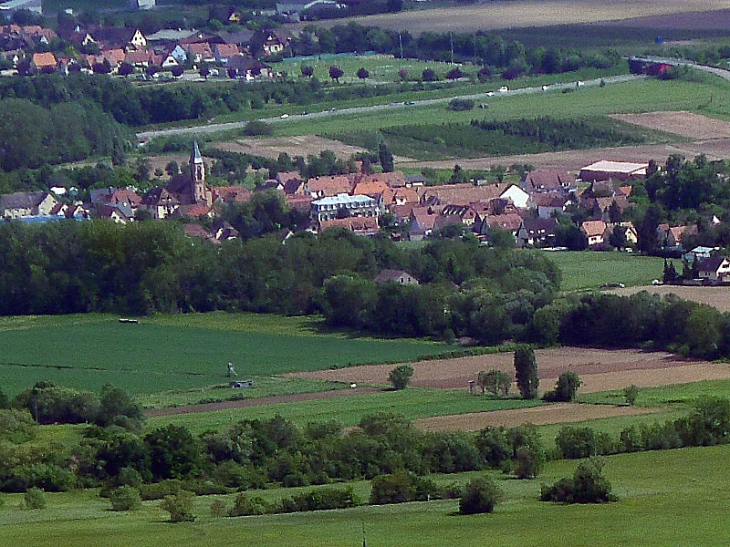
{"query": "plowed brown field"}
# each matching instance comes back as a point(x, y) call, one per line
point(535, 13)
point(541, 415)
point(600, 370)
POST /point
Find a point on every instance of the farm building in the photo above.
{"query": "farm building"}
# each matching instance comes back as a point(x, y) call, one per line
point(395, 276)
point(616, 170)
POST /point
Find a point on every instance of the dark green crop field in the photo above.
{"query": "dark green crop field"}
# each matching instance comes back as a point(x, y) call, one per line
point(178, 352)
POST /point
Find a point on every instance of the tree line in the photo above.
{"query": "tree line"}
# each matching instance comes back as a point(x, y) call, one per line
point(481, 48)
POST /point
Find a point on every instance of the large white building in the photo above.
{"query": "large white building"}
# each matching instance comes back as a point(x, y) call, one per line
point(343, 205)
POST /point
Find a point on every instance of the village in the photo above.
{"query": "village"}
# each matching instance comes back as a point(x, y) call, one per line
point(532, 211)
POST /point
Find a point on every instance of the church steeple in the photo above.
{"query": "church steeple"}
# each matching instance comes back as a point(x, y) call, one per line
point(197, 176)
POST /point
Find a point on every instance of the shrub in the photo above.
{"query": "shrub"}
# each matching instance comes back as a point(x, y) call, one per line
point(160, 490)
point(429, 75)
point(576, 442)
point(588, 485)
point(631, 393)
point(255, 128)
point(125, 498)
point(454, 74)
point(400, 376)
point(461, 105)
point(218, 509)
point(528, 462)
point(400, 487)
point(494, 446)
point(244, 506)
point(479, 496)
point(565, 388)
point(16, 426)
point(179, 506)
point(321, 499)
point(34, 499)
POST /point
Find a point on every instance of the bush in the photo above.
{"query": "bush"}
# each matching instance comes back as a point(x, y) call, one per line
point(34, 499)
point(179, 506)
point(494, 446)
point(528, 462)
point(400, 376)
point(429, 75)
point(256, 128)
point(400, 487)
point(16, 426)
point(320, 500)
point(160, 490)
point(461, 105)
point(576, 442)
point(565, 388)
point(218, 509)
point(125, 498)
point(588, 485)
point(244, 506)
point(479, 496)
point(631, 393)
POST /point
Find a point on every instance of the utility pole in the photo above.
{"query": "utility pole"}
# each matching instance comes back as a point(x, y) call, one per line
point(400, 41)
point(451, 39)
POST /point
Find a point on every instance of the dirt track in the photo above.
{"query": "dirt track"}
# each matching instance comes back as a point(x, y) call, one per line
point(541, 415)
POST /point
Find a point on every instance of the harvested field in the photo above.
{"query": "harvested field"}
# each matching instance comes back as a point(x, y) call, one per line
point(600, 370)
point(718, 297)
point(686, 124)
point(303, 145)
point(574, 160)
point(540, 415)
point(530, 13)
point(700, 20)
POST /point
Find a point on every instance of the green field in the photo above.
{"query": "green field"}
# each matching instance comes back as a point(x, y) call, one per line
point(591, 269)
point(674, 396)
point(645, 95)
point(666, 499)
point(412, 403)
point(179, 352)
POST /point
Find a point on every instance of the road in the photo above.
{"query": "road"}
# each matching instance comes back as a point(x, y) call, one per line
point(477, 97)
point(721, 72)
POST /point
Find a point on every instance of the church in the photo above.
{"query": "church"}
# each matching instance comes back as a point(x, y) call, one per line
point(185, 194)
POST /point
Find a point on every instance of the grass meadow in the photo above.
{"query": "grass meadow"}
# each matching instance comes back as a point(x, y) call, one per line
point(591, 269)
point(179, 352)
point(656, 491)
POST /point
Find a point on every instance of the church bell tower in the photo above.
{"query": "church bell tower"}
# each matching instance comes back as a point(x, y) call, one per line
point(197, 176)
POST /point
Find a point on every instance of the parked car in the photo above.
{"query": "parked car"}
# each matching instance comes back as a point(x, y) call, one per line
point(504, 89)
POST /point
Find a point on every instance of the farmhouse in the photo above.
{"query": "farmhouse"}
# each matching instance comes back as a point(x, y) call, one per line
point(595, 232)
point(537, 232)
point(395, 276)
point(548, 180)
point(715, 269)
point(27, 204)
